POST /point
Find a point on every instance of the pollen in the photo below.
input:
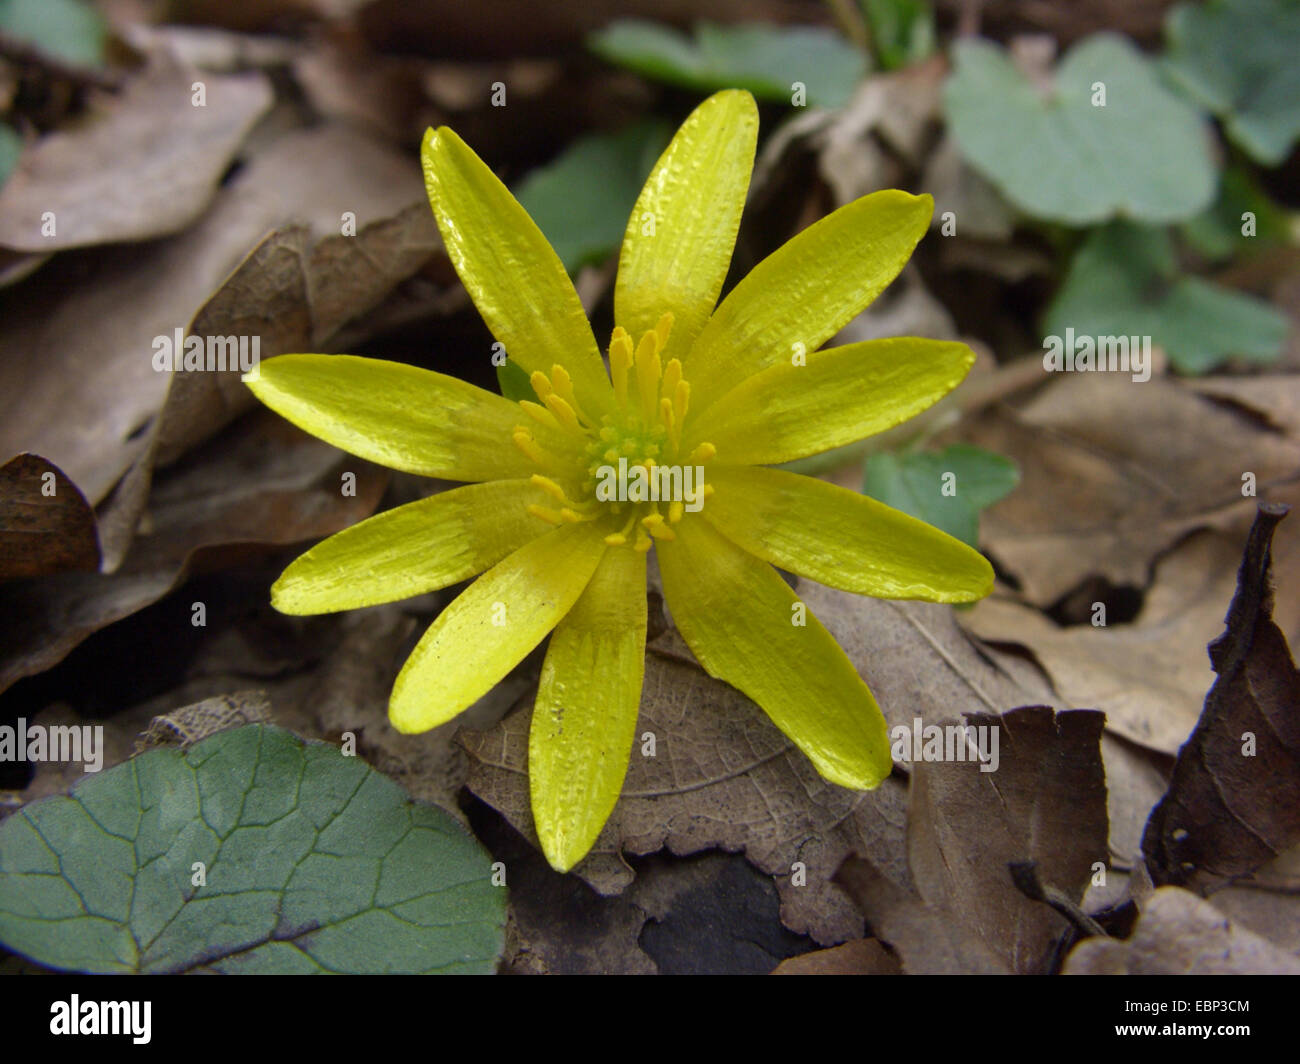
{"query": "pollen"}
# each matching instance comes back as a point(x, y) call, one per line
point(633, 475)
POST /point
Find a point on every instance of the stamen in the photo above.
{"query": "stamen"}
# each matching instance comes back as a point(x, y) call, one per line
point(649, 371)
point(702, 454)
point(682, 400)
point(541, 385)
point(654, 524)
point(551, 517)
point(523, 439)
point(643, 542)
point(539, 414)
point(670, 422)
point(663, 327)
point(620, 361)
point(675, 509)
point(563, 386)
point(672, 377)
point(617, 539)
point(563, 412)
point(550, 487)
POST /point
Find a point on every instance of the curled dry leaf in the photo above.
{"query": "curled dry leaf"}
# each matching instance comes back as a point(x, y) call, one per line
point(46, 525)
point(1098, 497)
point(1150, 676)
point(267, 483)
point(1178, 933)
point(89, 177)
point(1045, 802)
point(1234, 801)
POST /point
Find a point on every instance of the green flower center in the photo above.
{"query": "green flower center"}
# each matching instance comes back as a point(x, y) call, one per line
point(632, 472)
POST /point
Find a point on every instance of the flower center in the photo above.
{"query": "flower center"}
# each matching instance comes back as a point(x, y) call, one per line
point(632, 462)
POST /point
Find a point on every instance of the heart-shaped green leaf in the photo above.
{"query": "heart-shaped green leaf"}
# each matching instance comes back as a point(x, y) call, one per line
point(1124, 281)
point(1239, 59)
point(947, 490)
point(581, 200)
point(766, 60)
point(1107, 139)
point(251, 851)
point(71, 30)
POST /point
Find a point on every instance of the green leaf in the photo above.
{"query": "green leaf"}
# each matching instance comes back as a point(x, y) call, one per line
point(11, 146)
point(1125, 281)
point(514, 382)
point(766, 60)
point(916, 484)
point(581, 200)
point(1239, 59)
point(314, 863)
point(1217, 232)
point(70, 30)
point(902, 31)
point(1059, 157)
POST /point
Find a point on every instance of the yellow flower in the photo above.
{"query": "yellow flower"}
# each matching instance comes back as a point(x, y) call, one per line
point(562, 512)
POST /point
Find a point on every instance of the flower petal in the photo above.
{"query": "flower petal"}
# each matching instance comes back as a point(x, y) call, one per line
point(510, 271)
point(682, 230)
point(400, 416)
point(415, 548)
point(806, 290)
point(842, 394)
point(584, 720)
point(842, 539)
point(492, 625)
point(736, 615)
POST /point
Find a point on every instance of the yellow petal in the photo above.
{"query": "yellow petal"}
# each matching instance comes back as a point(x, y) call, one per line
point(737, 615)
point(807, 290)
point(415, 548)
point(399, 416)
point(584, 721)
point(510, 271)
point(492, 625)
point(682, 230)
point(840, 538)
point(842, 394)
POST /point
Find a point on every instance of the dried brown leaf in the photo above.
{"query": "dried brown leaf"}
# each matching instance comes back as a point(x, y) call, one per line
point(46, 525)
point(1234, 801)
point(1113, 473)
point(144, 164)
point(724, 777)
point(1178, 933)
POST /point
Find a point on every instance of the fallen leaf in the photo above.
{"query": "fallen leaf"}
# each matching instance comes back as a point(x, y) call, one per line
point(1098, 498)
point(84, 397)
point(1149, 676)
point(46, 525)
point(89, 177)
point(1178, 933)
point(864, 956)
point(1234, 801)
point(269, 483)
point(722, 776)
point(927, 941)
point(1045, 802)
